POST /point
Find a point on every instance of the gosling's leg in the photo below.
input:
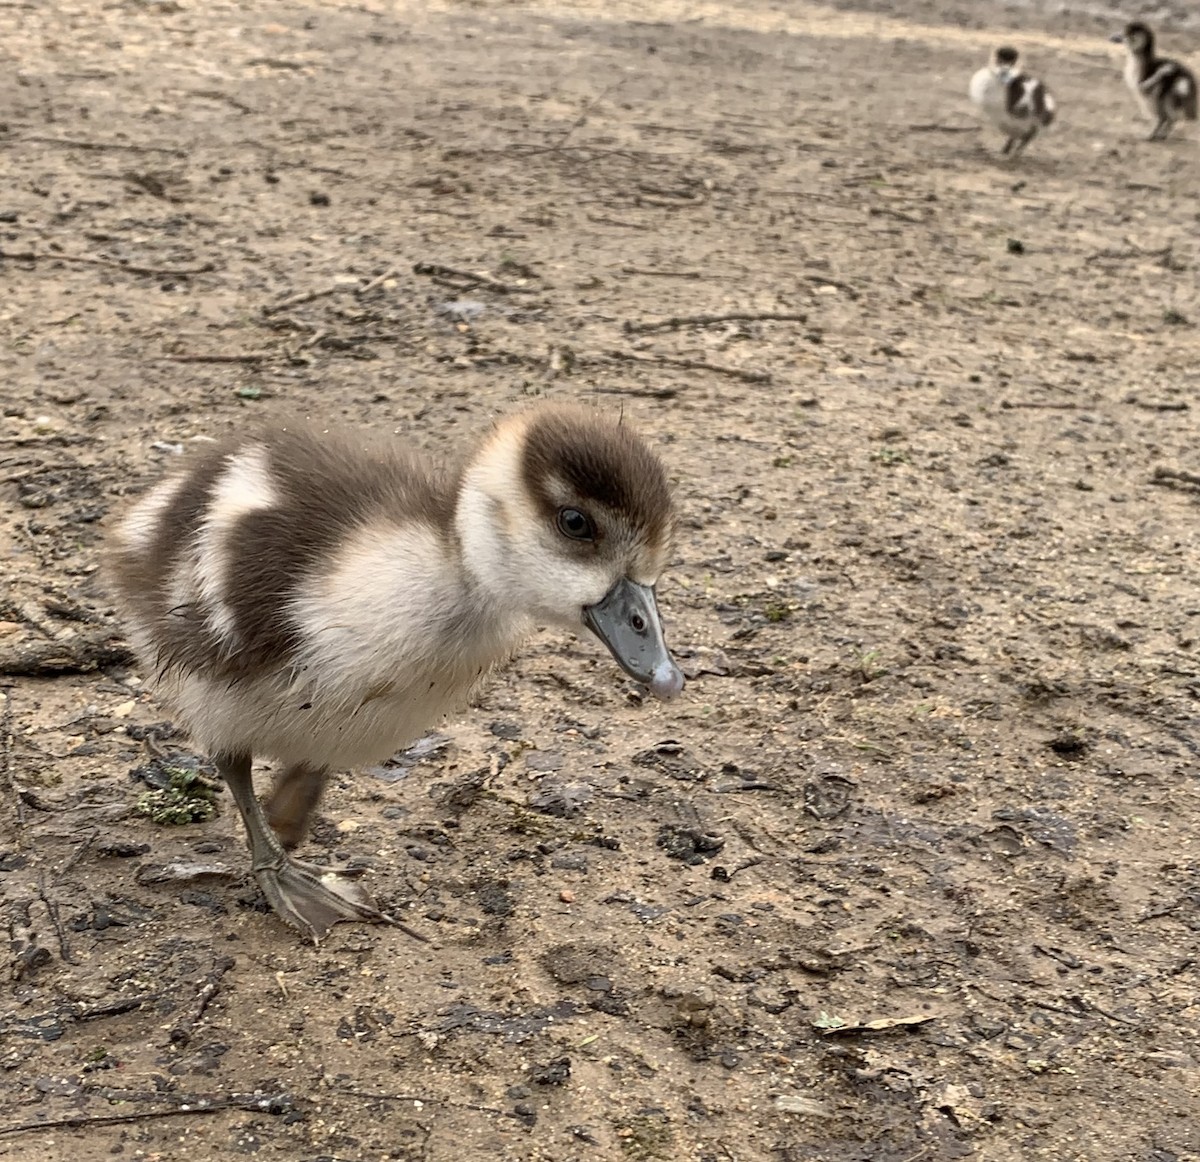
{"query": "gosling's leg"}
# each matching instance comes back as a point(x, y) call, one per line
point(298, 790)
point(310, 898)
point(1021, 142)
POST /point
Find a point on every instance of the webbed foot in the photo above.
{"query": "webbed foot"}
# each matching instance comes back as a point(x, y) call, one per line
point(305, 896)
point(313, 898)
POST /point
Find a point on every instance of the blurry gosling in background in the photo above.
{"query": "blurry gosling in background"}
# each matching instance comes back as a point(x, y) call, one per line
point(1165, 90)
point(322, 601)
point(1019, 106)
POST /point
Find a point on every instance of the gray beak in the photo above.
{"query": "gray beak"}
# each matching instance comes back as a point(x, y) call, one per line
point(1117, 38)
point(627, 621)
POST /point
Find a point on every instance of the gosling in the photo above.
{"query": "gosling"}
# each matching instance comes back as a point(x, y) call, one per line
point(1165, 90)
point(1018, 105)
point(321, 601)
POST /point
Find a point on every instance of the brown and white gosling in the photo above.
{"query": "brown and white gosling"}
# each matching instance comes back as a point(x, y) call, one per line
point(1018, 105)
point(322, 601)
point(1165, 90)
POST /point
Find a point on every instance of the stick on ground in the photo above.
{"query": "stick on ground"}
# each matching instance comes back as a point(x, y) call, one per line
point(255, 1103)
point(109, 263)
point(80, 654)
point(6, 748)
point(435, 270)
point(678, 321)
point(248, 357)
point(297, 300)
point(690, 365)
point(376, 282)
point(182, 1033)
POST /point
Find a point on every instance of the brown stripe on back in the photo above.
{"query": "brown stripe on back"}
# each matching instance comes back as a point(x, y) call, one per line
point(143, 578)
point(328, 486)
point(601, 463)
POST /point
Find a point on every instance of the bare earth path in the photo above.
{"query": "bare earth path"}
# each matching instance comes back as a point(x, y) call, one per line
point(935, 584)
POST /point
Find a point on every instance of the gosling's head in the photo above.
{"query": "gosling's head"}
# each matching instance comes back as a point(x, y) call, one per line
point(566, 517)
point(1137, 38)
point(1004, 59)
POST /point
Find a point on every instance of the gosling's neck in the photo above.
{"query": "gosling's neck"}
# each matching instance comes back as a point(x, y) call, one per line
point(1141, 58)
point(484, 528)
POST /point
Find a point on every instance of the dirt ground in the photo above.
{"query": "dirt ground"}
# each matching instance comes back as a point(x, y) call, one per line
point(936, 766)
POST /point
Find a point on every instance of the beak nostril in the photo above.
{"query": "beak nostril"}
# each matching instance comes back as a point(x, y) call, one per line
point(627, 621)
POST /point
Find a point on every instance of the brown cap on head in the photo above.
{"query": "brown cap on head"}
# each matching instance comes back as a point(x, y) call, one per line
point(1137, 36)
point(599, 462)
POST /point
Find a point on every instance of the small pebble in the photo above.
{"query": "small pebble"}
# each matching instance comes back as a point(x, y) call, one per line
point(567, 896)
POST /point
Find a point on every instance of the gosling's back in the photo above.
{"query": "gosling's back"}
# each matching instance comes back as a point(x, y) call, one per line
point(301, 596)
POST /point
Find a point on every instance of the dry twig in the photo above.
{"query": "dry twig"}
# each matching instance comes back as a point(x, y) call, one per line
point(58, 439)
point(690, 365)
point(846, 289)
point(216, 357)
point(297, 300)
point(115, 1008)
point(1159, 405)
point(182, 1033)
point(1175, 478)
point(678, 321)
point(376, 282)
point(1007, 404)
point(662, 273)
point(71, 143)
point(423, 1099)
point(255, 1103)
point(601, 220)
point(642, 392)
point(6, 748)
point(79, 654)
point(64, 947)
point(436, 270)
point(109, 263)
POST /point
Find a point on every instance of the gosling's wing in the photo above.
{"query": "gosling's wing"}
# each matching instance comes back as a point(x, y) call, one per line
point(1171, 81)
point(208, 562)
point(1028, 99)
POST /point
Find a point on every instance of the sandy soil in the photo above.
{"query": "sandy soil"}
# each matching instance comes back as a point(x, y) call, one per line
point(935, 584)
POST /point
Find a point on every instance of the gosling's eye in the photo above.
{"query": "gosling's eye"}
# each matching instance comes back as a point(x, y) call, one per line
point(576, 525)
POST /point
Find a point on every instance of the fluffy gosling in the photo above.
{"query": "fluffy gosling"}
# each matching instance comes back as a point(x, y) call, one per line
point(1165, 90)
point(1018, 105)
point(322, 601)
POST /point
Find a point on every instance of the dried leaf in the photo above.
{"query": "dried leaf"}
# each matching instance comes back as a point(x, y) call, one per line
point(879, 1025)
point(791, 1103)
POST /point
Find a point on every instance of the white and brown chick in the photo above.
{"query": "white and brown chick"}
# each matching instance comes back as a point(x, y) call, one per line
point(1164, 89)
point(1019, 106)
point(321, 601)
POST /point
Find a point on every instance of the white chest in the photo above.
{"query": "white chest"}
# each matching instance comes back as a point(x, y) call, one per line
point(391, 638)
point(989, 92)
point(1133, 80)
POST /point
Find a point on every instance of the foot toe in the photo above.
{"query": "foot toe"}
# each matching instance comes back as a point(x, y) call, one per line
point(313, 899)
